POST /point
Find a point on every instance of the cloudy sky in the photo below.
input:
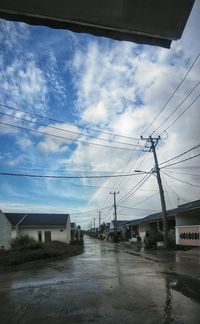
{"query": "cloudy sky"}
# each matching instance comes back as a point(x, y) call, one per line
point(76, 105)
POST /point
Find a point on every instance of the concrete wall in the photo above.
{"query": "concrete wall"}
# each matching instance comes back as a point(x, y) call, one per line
point(68, 230)
point(188, 235)
point(186, 225)
point(188, 219)
point(58, 234)
point(143, 227)
point(5, 231)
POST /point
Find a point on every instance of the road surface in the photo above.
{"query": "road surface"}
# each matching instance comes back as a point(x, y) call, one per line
point(108, 283)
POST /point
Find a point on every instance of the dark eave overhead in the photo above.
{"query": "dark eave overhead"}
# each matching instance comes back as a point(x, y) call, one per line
point(153, 22)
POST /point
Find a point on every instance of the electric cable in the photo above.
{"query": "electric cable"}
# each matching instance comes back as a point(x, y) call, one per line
point(179, 85)
point(181, 114)
point(66, 138)
point(61, 122)
point(65, 130)
point(185, 182)
point(173, 112)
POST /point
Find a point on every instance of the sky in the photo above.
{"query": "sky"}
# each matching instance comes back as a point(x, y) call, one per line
point(76, 105)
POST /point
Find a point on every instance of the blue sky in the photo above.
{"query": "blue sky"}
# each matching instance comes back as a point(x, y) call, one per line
point(85, 83)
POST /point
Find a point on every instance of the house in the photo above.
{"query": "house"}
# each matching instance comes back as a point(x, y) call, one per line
point(42, 227)
point(132, 228)
point(5, 231)
point(121, 231)
point(73, 231)
point(188, 224)
point(183, 224)
point(154, 223)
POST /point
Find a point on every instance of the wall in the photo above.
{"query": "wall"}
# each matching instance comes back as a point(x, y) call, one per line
point(68, 230)
point(188, 235)
point(187, 219)
point(56, 234)
point(5, 231)
point(143, 227)
point(187, 229)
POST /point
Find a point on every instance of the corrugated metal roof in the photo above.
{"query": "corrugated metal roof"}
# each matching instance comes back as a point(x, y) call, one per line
point(171, 212)
point(37, 219)
point(135, 222)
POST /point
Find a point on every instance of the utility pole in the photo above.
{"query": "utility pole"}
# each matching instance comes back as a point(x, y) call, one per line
point(94, 225)
point(115, 211)
point(99, 219)
point(154, 142)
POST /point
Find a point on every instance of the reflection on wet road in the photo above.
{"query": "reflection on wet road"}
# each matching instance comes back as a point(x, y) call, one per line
point(105, 284)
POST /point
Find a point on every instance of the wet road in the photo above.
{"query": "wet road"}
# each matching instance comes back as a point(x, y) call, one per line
point(106, 284)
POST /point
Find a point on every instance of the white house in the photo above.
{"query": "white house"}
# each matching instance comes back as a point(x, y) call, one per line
point(188, 224)
point(42, 227)
point(5, 231)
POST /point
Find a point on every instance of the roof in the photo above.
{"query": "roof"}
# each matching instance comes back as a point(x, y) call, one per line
point(37, 219)
point(189, 206)
point(120, 222)
point(154, 22)
point(194, 205)
point(135, 222)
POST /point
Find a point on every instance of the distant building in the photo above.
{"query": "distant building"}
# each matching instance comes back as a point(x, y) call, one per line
point(121, 231)
point(42, 227)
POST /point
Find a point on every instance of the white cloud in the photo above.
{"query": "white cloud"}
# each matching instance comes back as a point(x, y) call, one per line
point(24, 142)
point(12, 34)
point(50, 144)
point(123, 86)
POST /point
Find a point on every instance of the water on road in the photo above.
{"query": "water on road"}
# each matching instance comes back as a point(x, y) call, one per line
point(105, 284)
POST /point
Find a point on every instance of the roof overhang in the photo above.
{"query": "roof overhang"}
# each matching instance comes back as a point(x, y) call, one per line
point(153, 22)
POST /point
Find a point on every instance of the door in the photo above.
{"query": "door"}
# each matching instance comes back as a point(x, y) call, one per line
point(40, 236)
point(47, 236)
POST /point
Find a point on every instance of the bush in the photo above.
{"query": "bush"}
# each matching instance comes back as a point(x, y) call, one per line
point(25, 242)
point(151, 239)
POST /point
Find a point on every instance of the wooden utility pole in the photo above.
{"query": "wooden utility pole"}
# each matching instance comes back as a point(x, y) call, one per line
point(115, 211)
point(99, 218)
point(154, 142)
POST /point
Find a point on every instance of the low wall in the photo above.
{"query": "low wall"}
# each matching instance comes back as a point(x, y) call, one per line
point(188, 235)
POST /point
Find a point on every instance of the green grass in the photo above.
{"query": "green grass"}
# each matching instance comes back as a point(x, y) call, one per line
point(32, 251)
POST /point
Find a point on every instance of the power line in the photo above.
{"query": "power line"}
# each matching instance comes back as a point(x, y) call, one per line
point(65, 177)
point(177, 156)
point(61, 122)
point(181, 113)
point(90, 211)
point(65, 130)
point(173, 112)
point(174, 191)
point(140, 183)
point(179, 85)
point(138, 208)
point(167, 194)
point(68, 171)
point(190, 158)
point(185, 182)
point(66, 138)
point(183, 173)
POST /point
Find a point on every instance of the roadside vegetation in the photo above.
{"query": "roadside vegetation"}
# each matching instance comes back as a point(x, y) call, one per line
point(25, 249)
